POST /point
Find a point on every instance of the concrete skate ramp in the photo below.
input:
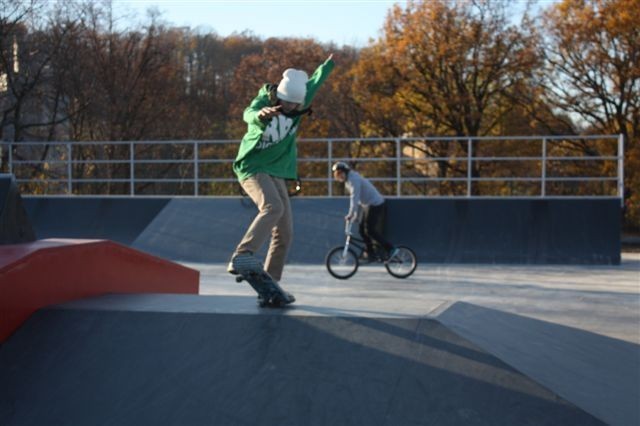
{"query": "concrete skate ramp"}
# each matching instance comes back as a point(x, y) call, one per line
point(119, 219)
point(596, 372)
point(503, 230)
point(121, 360)
point(209, 229)
point(535, 231)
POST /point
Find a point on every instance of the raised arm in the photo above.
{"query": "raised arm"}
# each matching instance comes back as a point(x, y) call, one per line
point(317, 79)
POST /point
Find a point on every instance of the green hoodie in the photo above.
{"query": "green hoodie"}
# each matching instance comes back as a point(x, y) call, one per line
point(270, 147)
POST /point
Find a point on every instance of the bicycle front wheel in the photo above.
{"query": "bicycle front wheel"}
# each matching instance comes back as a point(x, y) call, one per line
point(403, 264)
point(340, 264)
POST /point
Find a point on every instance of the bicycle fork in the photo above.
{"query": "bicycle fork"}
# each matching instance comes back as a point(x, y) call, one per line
point(346, 247)
point(348, 241)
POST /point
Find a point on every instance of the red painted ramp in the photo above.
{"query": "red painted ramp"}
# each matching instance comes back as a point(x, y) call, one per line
point(45, 272)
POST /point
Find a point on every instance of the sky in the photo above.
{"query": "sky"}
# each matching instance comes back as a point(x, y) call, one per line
point(347, 22)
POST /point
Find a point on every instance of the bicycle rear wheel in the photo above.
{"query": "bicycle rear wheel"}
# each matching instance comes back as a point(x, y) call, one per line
point(341, 265)
point(403, 264)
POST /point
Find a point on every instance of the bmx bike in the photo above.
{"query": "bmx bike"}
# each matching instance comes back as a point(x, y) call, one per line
point(343, 261)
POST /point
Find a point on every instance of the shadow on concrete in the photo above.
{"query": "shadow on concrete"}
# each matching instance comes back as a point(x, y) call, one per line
point(84, 364)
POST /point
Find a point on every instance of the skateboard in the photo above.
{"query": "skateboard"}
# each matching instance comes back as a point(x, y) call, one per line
point(270, 294)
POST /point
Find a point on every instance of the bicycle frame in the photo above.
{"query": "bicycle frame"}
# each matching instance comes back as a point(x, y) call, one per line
point(357, 242)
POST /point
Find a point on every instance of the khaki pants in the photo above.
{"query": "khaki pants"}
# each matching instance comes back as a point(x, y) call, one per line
point(274, 218)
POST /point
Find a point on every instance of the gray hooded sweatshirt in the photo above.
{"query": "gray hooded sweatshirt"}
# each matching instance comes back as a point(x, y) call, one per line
point(363, 193)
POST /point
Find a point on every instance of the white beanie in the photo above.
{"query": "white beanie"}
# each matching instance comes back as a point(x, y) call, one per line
point(293, 87)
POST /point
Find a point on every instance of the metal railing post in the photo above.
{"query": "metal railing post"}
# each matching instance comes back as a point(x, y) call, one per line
point(69, 169)
point(132, 183)
point(329, 165)
point(621, 168)
point(469, 165)
point(543, 188)
point(398, 168)
point(196, 169)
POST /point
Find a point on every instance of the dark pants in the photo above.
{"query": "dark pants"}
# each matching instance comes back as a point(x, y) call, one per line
point(372, 227)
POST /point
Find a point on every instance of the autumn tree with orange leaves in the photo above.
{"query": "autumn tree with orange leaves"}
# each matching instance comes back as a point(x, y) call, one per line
point(594, 73)
point(450, 66)
point(446, 68)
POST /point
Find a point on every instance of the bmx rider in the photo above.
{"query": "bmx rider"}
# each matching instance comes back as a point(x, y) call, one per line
point(364, 195)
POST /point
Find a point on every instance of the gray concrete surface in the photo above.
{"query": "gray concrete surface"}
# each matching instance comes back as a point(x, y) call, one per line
point(209, 229)
point(598, 373)
point(481, 344)
point(601, 299)
point(553, 344)
point(520, 231)
point(116, 218)
point(574, 329)
point(133, 360)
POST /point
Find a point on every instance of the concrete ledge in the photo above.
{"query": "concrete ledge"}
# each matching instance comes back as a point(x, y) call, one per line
point(46, 272)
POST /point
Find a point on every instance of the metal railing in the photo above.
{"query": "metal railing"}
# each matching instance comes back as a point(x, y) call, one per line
point(593, 166)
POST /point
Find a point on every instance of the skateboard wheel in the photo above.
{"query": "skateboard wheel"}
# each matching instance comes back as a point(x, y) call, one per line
point(278, 301)
point(239, 278)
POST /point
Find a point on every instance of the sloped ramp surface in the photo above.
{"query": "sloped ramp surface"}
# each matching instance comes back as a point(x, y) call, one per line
point(209, 229)
point(595, 372)
point(78, 364)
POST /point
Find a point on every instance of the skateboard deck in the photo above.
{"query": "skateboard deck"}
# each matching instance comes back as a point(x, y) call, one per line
point(269, 292)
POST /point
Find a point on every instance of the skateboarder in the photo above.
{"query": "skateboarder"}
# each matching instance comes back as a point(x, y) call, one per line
point(266, 157)
point(364, 195)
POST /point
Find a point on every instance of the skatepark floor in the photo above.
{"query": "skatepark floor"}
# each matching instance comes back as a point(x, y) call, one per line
point(452, 344)
point(600, 299)
point(573, 329)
